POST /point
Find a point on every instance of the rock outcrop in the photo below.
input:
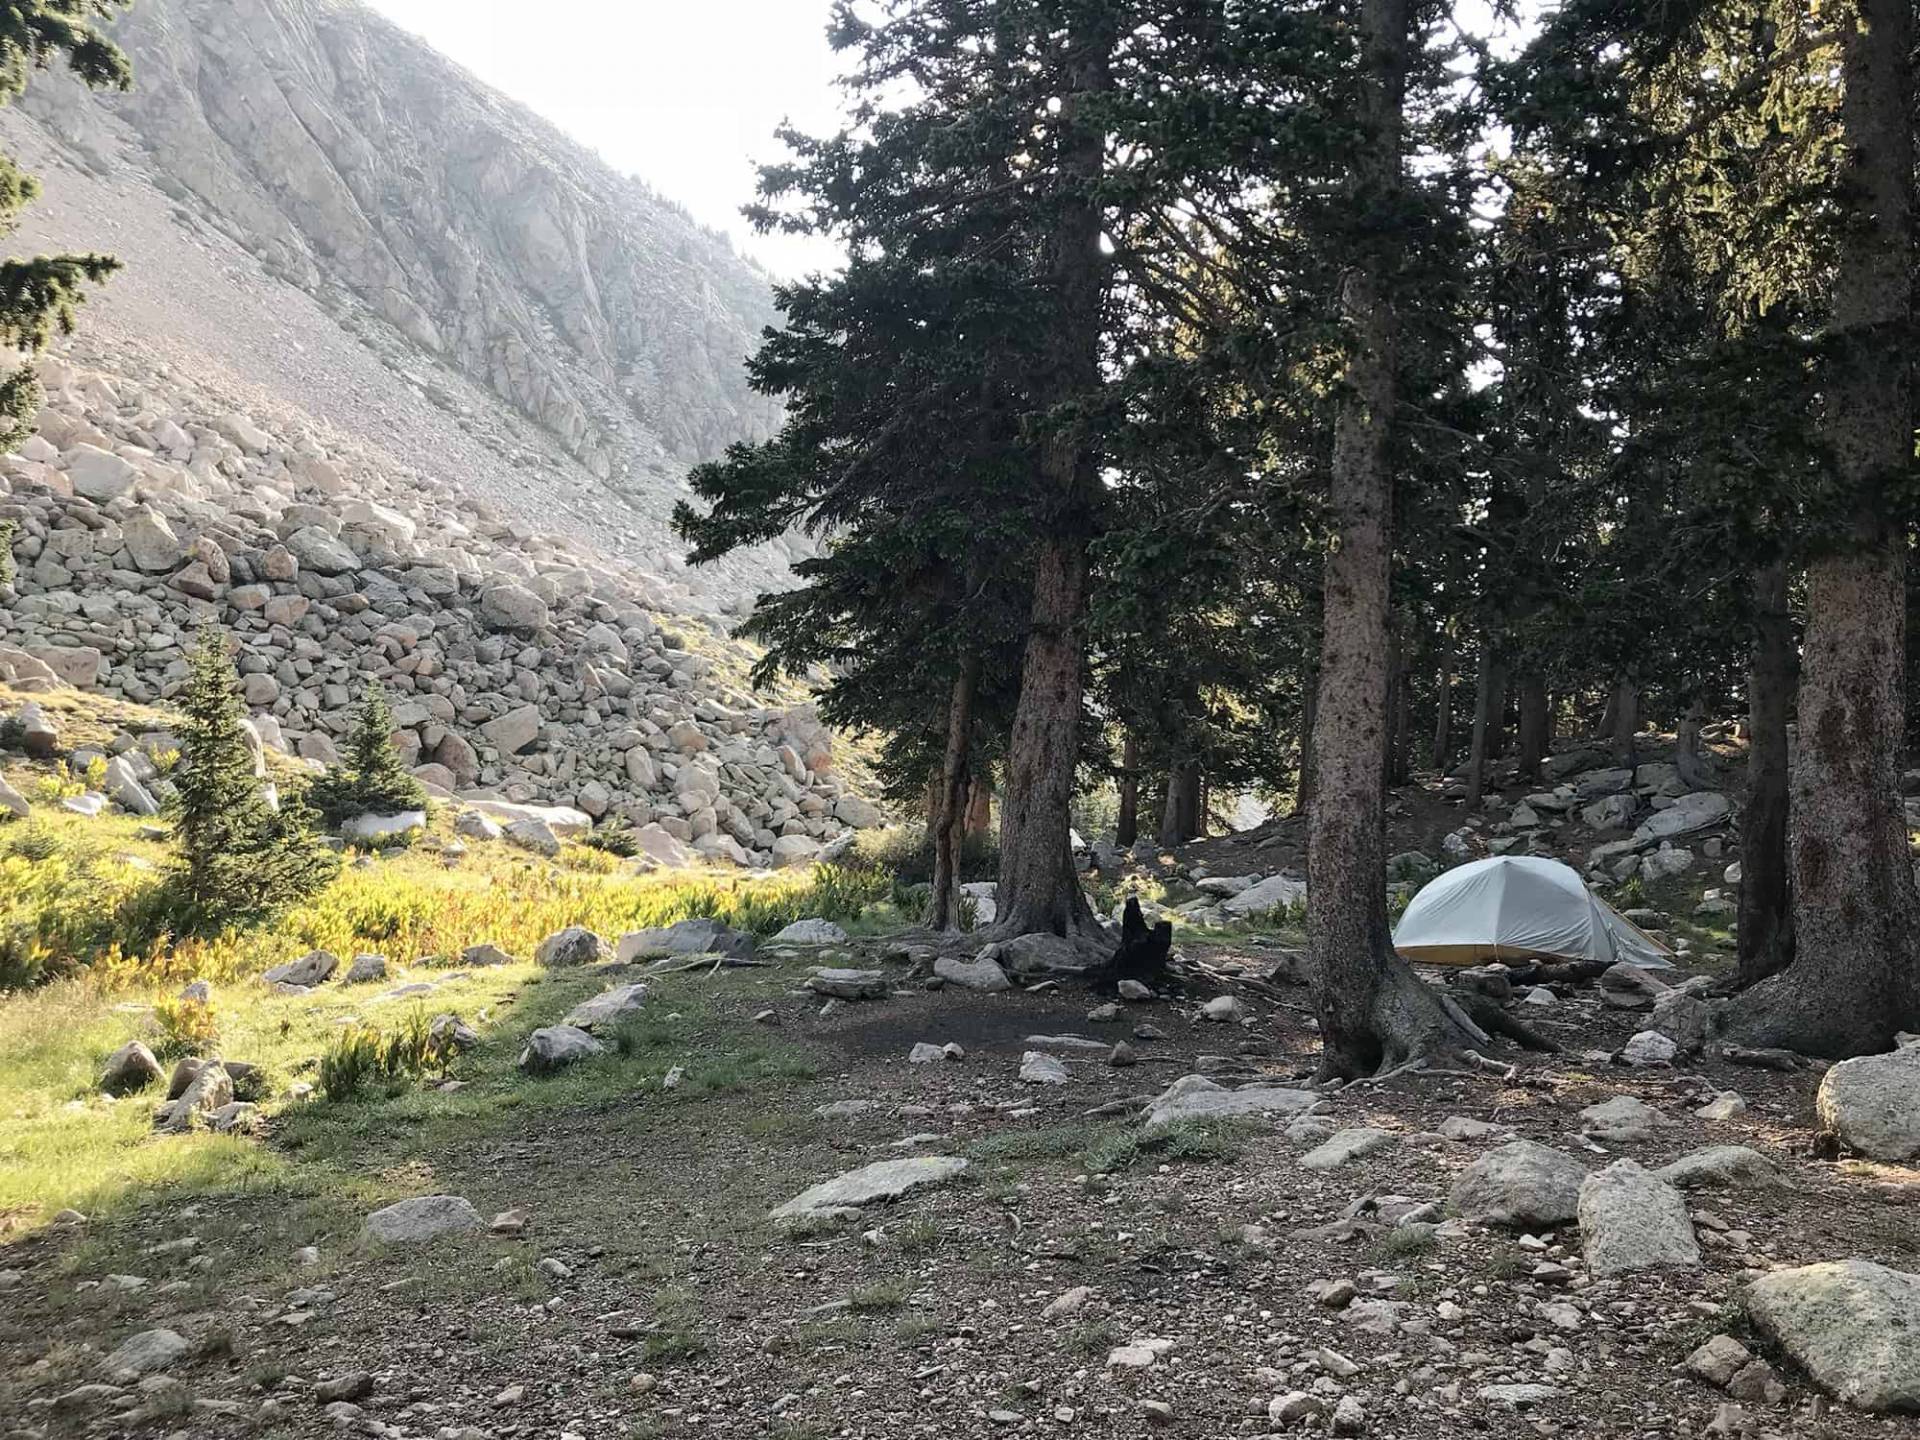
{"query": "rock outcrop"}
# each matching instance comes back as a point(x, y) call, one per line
point(586, 697)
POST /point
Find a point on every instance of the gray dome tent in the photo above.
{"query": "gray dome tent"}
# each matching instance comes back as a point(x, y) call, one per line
point(1519, 907)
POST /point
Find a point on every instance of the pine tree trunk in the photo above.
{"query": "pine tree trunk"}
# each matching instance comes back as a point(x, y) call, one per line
point(1373, 1009)
point(1039, 890)
point(1309, 711)
point(1690, 760)
point(1536, 725)
point(950, 821)
point(1126, 827)
point(1766, 917)
point(1490, 697)
point(1443, 721)
point(1180, 818)
point(1623, 713)
point(1399, 707)
point(980, 805)
point(1853, 979)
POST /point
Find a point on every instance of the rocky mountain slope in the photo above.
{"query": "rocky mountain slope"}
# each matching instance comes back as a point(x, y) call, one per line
point(399, 384)
point(315, 205)
point(522, 666)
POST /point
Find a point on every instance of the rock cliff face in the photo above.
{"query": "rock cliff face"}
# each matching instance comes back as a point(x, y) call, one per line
point(317, 205)
point(343, 152)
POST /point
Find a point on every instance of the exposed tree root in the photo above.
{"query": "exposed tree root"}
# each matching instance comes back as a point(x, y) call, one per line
point(1406, 1020)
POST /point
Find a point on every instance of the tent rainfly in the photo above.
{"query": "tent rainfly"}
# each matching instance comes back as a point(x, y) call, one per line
point(1519, 907)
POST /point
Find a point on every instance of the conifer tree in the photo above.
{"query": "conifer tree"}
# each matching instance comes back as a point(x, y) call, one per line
point(240, 858)
point(369, 780)
point(38, 294)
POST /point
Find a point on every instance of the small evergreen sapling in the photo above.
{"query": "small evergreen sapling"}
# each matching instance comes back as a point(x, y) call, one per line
point(240, 858)
point(370, 780)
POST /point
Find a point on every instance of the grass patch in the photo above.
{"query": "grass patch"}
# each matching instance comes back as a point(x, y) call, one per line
point(1053, 1142)
point(888, 1294)
point(1095, 1337)
point(1405, 1240)
point(1189, 1142)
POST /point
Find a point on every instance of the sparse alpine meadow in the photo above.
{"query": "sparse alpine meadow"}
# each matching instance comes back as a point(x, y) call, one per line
point(849, 1181)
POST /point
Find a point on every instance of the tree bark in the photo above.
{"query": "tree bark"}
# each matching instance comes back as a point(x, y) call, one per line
point(1309, 711)
point(1623, 711)
point(1039, 890)
point(1180, 818)
point(1126, 828)
point(950, 821)
point(1766, 915)
point(1490, 697)
point(1399, 712)
point(1374, 1011)
point(1536, 725)
point(1690, 760)
point(1853, 981)
point(980, 804)
point(1443, 722)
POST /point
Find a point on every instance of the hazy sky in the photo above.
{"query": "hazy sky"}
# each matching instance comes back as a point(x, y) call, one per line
point(684, 94)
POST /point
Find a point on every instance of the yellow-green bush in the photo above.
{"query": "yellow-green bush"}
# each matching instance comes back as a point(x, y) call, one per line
point(66, 911)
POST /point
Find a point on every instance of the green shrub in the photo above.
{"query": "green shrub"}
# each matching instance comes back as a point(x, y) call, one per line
point(369, 780)
point(240, 858)
point(616, 837)
point(906, 853)
point(363, 1056)
point(187, 1027)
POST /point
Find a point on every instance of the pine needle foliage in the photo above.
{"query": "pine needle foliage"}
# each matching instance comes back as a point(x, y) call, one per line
point(38, 295)
point(370, 780)
point(240, 858)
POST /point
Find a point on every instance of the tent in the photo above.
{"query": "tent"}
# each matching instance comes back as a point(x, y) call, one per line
point(1519, 907)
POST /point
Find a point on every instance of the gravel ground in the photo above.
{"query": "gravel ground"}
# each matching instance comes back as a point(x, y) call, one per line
point(677, 1307)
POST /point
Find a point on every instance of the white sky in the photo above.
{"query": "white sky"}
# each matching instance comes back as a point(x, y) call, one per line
point(685, 94)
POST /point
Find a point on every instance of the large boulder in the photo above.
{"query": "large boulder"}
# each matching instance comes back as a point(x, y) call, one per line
point(860, 813)
point(151, 542)
point(80, 666)
point(686, 937)
point(1852, 1325)
point(844, 984)
point(1699, 811)
point(982, 974)
point(1873, 1104)
point(1729, 1166)
point(811, 932)
point(514, 731)
point(131, 1067)
point(1630, 1220)
point(1521, 1184)
point(99, 475)
point(507, 606)
point(608, 1005)
point(123, 787)
point(883, 1180)
point(1195, 1097)
point(427, 1217)
point(321, 552)
point(210, 1089)
point(557, 1046)
point(575, 945)
point(1272, 893)
point(145, 1353)
point(309, 970)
